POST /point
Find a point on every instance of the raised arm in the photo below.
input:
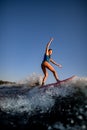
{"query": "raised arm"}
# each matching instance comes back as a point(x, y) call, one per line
point(47, 46)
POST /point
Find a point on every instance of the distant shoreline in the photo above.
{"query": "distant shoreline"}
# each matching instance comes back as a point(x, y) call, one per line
point(6, 82)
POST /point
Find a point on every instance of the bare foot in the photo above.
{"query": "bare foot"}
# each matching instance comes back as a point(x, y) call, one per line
point(58, 80)
point(42, 83)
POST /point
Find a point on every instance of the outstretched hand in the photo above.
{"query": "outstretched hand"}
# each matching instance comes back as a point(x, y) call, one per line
point(59, 65)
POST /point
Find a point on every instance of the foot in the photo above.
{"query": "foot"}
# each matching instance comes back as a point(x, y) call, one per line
point(42, 83)
point(58, 80)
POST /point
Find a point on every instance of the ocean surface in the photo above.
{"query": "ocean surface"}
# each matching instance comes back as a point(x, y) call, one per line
point(26, 106)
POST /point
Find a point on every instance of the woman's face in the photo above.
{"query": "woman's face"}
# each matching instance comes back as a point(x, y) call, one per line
point(50, 52)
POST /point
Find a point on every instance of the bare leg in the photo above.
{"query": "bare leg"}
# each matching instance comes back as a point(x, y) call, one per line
point(45, 74)
point(55, 75)
point(47, 65)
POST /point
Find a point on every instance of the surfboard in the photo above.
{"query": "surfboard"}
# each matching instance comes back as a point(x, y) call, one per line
point(59, 82)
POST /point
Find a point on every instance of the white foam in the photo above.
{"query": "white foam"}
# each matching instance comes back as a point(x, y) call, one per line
point(60, 126)
point(42, 99)
point(31, 80)
point(81, 83)
point(29, 103)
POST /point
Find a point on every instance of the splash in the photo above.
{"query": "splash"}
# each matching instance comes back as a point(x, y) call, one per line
point(31, 80)
point(61, 107)
point(21, 98)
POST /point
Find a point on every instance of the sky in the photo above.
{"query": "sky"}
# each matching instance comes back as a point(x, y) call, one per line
point(26, 26)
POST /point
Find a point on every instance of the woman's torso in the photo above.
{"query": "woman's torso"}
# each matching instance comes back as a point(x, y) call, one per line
point(46, 58)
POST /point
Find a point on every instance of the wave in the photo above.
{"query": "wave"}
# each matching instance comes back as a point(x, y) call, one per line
point(62, 107)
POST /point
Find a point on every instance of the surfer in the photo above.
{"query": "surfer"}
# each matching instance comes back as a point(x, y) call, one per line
point(46, 63)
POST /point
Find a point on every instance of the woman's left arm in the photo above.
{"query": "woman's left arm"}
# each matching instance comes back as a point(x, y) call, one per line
point(59, 65)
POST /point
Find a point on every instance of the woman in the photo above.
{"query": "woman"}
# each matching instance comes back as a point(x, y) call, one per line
point(46, 63)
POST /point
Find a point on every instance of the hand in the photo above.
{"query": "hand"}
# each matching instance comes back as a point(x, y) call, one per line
point(60, 66)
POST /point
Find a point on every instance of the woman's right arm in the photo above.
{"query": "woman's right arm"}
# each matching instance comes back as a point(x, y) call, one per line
point(47, 46)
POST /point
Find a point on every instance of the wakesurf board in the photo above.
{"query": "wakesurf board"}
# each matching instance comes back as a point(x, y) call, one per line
point(59, 82)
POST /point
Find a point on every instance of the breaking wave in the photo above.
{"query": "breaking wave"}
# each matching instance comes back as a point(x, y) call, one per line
point(27, 105)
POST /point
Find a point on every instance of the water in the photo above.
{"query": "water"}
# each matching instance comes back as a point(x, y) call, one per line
point(26, 106)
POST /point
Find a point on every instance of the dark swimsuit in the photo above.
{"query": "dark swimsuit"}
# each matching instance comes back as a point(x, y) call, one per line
point(46, 58)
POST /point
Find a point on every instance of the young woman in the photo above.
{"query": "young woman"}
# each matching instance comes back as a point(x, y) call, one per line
point(46, 63)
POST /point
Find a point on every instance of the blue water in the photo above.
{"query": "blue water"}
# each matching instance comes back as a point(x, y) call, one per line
point(25, 105)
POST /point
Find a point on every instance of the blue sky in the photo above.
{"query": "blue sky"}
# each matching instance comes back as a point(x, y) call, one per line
point(27, 26)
